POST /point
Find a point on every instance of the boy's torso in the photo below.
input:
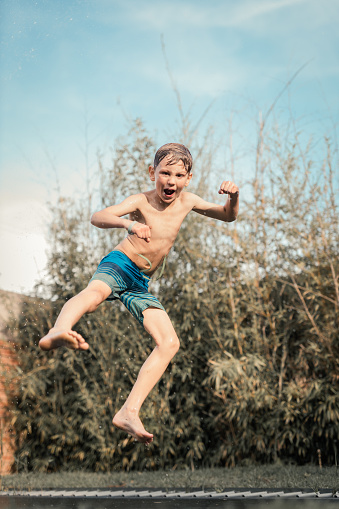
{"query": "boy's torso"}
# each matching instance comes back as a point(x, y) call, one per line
point(165, 222)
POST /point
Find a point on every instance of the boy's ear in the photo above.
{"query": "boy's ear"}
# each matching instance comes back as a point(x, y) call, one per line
point(151, 173)
point(189, 176)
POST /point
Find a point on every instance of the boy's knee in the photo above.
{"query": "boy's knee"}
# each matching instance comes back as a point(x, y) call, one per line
point(176, 344)
point(172, 344)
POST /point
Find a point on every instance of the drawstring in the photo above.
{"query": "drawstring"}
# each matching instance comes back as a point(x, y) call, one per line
point(147, 260)
point(150, 265)
point(162, 269)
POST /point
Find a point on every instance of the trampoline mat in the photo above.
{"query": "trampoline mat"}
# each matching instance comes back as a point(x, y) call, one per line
point(62, 503)
point(247, 500)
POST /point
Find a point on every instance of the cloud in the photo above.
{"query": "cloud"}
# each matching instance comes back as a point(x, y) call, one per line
point(249, 10)
point(24, 259)
point(180, 17)
point(23, 262)
point(267, 34)
point(174, 14)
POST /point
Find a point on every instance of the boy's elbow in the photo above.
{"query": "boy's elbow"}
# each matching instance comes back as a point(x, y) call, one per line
point(231, 219)
point(94, 221)
point(230, 214)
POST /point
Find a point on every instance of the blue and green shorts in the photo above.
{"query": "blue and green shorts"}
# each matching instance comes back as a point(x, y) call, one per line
point(127, 282)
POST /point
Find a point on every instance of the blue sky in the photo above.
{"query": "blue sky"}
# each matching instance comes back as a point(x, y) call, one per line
point(64, 61)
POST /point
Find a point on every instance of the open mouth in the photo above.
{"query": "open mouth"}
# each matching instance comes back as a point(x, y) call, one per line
point(169, 192)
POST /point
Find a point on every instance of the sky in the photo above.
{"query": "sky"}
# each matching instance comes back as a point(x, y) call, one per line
point(74, 73)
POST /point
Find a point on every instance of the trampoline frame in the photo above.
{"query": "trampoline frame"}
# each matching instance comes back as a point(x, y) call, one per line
point(174, 494)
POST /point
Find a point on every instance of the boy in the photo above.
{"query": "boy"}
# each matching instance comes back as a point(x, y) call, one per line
point(154, 221)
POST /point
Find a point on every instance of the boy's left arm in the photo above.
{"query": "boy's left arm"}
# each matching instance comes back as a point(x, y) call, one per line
point(228, 212)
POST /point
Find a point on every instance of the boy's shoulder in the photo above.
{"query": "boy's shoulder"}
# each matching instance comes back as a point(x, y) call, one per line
point(138, 198)
point(189, 198)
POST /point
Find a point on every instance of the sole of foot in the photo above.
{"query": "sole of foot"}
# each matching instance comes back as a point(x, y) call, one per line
point(58, 338)
point(133, 426)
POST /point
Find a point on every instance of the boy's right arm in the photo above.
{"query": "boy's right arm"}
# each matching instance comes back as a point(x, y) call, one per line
point(110, 217)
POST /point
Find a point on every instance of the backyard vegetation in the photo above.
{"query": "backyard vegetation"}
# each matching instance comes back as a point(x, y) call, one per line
point(254, 303)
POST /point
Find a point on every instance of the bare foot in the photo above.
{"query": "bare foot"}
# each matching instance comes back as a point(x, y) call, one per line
point(130, 422)
point(56, 338)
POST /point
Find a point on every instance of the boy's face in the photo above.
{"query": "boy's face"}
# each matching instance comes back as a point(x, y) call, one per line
point(170, 179)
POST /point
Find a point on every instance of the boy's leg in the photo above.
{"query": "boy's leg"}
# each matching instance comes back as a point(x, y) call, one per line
point(85, 302)
point(158, 324)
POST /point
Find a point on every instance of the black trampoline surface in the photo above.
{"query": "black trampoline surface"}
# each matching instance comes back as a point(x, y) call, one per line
point(14, 502)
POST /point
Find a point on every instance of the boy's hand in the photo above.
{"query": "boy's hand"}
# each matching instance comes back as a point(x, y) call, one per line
point(142, 231)
point(229, 188)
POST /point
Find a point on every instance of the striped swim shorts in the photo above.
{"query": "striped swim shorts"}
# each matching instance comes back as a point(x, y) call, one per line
point(127, 282)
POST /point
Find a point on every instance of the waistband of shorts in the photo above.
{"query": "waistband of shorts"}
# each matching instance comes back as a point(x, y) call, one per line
point(134, 265)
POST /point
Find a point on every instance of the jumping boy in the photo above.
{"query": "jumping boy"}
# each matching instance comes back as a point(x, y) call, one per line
point(154, 221)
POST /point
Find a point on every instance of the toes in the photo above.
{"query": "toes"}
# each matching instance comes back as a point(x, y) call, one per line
point(81, 343)
point(77, 336)
point(145, 439)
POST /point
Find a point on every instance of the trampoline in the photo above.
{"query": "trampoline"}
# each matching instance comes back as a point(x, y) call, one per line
point(167, 499)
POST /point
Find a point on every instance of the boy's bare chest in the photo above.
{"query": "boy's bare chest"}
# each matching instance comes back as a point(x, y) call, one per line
point(165, 223)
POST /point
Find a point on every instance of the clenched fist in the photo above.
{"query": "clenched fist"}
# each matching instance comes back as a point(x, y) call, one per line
point(142, 231)
point(229, 188)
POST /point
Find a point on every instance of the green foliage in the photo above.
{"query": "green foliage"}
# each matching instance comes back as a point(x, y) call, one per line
point(254, 303)
point(277, 380)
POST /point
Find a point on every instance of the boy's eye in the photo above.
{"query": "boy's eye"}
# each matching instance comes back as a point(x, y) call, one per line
point(166, 173)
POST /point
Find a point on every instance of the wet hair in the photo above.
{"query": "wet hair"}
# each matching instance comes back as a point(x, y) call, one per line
point(175, 153)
